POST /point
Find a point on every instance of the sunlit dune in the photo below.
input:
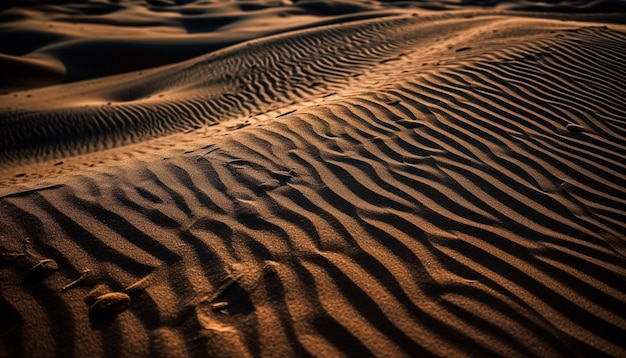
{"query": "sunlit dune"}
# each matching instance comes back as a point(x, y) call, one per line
point(313, 178)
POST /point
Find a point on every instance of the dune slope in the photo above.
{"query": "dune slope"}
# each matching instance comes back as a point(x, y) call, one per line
point(443, 185)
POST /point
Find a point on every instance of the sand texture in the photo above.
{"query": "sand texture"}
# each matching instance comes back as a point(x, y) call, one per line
point(316, 178)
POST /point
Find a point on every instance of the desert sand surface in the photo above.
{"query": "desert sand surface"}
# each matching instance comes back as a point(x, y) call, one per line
point(312, 178)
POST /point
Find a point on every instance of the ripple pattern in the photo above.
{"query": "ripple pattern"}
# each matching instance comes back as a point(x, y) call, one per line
point(472, 208)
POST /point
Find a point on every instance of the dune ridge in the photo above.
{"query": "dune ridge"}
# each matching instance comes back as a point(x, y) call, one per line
point(221, 86)
point(450, 195)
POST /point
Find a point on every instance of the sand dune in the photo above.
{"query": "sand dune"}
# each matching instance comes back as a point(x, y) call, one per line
point(425, 183)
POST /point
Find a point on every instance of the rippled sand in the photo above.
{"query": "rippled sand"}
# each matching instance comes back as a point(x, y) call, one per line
point(313, 178)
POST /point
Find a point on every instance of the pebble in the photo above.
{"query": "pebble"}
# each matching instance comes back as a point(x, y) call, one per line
point(109, 304)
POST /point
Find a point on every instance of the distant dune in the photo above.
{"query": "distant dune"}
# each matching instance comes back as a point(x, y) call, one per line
point(313, 178)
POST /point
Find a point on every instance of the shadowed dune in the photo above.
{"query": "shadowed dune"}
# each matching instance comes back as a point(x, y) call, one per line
point(88, 40)
point(446, 185)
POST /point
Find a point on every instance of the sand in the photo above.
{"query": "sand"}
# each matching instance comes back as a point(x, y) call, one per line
point(316, 178)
